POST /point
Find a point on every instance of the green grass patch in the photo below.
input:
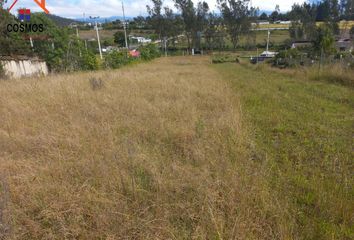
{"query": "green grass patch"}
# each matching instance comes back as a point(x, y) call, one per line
point(304, 132)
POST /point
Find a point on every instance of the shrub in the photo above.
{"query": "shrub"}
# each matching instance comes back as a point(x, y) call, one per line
point(224, 58)
point(89, 61)
point(116, 59)
point(288, 58)
point(149, 52)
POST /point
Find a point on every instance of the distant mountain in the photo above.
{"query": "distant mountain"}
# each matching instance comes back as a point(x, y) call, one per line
point(61, 21)
point(103, 19)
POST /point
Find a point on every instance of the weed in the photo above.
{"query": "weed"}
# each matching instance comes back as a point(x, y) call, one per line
point(96, 83)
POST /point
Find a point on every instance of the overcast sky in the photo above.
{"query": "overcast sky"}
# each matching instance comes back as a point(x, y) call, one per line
point(107, 8)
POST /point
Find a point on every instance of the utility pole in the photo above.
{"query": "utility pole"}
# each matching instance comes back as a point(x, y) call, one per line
point(268, 40)
point(125, 27)
point(98, 36)
point(98, 40)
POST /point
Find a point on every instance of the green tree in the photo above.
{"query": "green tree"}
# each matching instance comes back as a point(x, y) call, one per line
point(214, 32)
point(263, 16)
point(119, 38)
point(237, 17)
point(173, 25)
point(51, 44)
point(11, 42)
point(349, 10)
point(275, 15)
point(303, 18)
point(188, 13)
point(324, 41)
point(156, 18)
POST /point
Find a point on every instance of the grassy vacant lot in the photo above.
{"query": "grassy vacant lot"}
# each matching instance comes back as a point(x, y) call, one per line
point(176, 149)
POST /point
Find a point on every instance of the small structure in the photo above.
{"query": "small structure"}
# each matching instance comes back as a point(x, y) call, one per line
point(344, 45)
point(141, 39)
point(23, 66)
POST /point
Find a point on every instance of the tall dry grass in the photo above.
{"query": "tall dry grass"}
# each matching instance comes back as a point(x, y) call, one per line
point(157, 152)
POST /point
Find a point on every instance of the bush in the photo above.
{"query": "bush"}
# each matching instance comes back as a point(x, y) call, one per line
point(89, 61)
point(224, 58)
point(288, 58)
point(117, 59)
point(149, 52)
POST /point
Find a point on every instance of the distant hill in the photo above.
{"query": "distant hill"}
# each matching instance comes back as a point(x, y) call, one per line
point(62, 22)
point(103, 19)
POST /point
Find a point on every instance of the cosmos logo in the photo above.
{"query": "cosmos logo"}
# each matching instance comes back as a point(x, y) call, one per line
point(24, 15)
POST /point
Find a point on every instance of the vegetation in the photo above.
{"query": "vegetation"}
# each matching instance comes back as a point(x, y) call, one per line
point(10, 42)
point(302, 133)
point(119, 38)
point(117, 59)
point(223, 58)
point(238, 17)
point(149, 52)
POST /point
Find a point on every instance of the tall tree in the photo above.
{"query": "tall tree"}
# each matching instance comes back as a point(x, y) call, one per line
point(349, 10)
point(263, 16)
point(324, 41)
point(188, 13)
point(201, 22)
point(303, 17)
point(274, 16)
point(194, 20)
point(155, 17)
point(173, 25)
point(236, 14)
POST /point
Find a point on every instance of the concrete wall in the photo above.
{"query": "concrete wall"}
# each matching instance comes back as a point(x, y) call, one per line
point(17, 68)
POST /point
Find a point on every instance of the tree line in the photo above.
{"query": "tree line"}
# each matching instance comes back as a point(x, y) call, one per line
point(237, 19)
point(59, 46)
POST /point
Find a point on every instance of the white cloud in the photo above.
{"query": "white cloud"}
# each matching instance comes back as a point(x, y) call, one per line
point(106, 8)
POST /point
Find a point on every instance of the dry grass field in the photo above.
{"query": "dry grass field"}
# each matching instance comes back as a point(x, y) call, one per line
point(159, 152)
